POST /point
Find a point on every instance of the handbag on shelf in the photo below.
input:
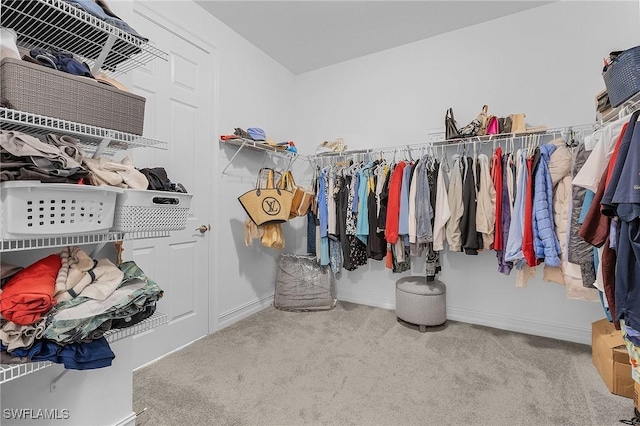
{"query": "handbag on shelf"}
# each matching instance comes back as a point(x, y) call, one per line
point(450, 125)
point(493, 127)
point(473, 128)
point(301, 197)
point(504, 125)
point(267, 204)
point(483, 118)
point(517, 123)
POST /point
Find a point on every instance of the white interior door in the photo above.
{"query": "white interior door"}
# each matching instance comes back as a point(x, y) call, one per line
point(179, 94)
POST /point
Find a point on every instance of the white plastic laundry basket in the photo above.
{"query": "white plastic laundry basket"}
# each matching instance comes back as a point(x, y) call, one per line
point(145, 210)
point(33, 208)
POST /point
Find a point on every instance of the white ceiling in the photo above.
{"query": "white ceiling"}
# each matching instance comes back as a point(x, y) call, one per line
point(307, 35)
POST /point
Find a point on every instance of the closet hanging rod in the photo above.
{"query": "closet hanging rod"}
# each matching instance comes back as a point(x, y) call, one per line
point(565, 131)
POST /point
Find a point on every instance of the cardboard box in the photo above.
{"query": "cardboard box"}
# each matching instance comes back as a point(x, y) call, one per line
point(610, 356)
point(636, 391)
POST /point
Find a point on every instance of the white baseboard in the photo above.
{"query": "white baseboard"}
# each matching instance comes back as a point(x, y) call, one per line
point(146, 364)
point(236, 314)
point(364, 298)
point(130, 420)
point(537, 328)
point(503, 322)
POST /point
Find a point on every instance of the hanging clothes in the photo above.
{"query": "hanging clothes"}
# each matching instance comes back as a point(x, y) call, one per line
point(442, 211)
point(560, 173)
point(455, 205)
point(513, 251)
point(424, 209)
point(376, 245)
point(403, 216)
point(609, 138)
point(323, 215)
point(595, 231)
point(432, 258)
point(497, 176)
point(393, 205)
point(504, 267)
point(413, 221)
point(342, 200)
point(579, 251)
point(331, 203)
point(622, 198)
point(486, 206)
point(527, 238)
point(362, 225)
point(470, 239)
point(357, 250)
point(546, 245)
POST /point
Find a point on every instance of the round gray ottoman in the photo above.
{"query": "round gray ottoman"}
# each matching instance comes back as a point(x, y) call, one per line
point(421, 302)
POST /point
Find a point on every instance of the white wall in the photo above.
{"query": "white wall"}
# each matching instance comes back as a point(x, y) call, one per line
point(545, 62)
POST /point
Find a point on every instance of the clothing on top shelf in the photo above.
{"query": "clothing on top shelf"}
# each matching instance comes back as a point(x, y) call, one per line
point(100, 10)
point(25, 157)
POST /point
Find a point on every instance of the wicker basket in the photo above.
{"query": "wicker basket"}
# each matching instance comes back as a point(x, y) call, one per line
point(622, 77)
point(35, 209)
point(40, 90)
point(145, 210)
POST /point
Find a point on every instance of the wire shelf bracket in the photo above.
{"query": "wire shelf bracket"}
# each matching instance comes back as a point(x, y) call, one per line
point(256, 146)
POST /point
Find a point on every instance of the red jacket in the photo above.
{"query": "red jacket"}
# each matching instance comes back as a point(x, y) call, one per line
point(527, 241)
point(393, 204)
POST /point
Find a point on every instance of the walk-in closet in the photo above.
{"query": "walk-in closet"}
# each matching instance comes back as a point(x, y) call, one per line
point(311, 212)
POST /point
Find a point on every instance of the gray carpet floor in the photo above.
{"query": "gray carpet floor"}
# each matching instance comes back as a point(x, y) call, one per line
point(357, 365)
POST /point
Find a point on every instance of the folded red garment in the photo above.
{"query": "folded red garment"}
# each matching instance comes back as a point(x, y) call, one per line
point(29, 293)
point(227, 137)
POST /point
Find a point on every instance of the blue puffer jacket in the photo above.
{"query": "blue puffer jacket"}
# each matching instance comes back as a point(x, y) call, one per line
point(545, 241)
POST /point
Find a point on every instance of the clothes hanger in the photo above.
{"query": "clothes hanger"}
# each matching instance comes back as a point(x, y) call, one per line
point(444, 160)
point(408, 151)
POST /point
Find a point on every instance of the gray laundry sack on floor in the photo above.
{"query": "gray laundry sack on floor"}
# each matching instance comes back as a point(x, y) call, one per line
point(303, 285)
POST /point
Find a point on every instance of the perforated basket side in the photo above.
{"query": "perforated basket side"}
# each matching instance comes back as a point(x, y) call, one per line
point(143, 218)
point(55, 209)
point(622, 77)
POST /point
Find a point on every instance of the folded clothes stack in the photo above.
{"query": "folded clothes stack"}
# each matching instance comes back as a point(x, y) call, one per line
point(59, 308)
